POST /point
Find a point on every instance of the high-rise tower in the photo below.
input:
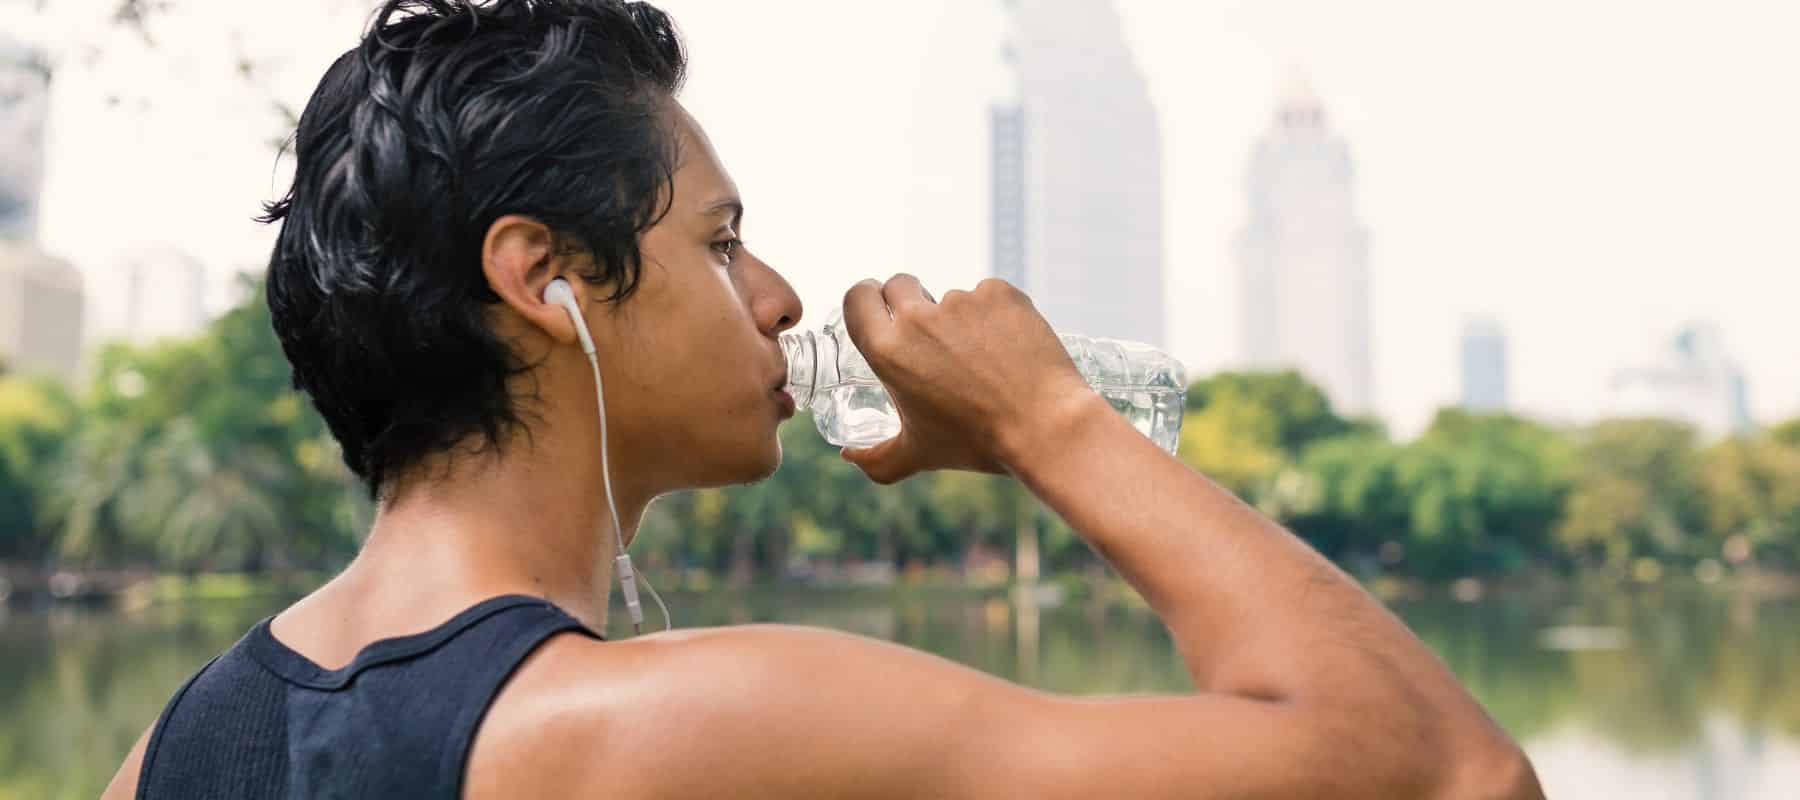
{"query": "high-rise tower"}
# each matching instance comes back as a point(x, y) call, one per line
point(1304, 257)
point(1077, 172)
point(1483, 365)
point(40, 295)
point(24, 106)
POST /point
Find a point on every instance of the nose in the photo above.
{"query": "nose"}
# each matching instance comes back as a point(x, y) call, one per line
point(774, 303)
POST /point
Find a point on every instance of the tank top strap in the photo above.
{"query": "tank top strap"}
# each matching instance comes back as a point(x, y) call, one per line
point(397, 721)
point(493, 654)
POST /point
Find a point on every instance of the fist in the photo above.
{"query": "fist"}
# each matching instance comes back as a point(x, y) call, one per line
point(972, 377)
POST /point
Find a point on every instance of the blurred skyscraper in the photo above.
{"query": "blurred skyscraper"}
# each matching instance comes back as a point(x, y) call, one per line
point(1691, 379)
point(1006, 159)
point(1077, 161)
point(1304, 257)
point(40, 311)
point(162, 293)
point(24, 104)
point(1483, 365)
point(40, 295)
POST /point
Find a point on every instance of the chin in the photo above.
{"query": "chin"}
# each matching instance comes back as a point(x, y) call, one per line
point(770, 461)
point(751, 464)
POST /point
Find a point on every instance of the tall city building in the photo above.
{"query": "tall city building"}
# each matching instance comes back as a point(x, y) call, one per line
point(40, 295)
point(1691, 378)
point(1077, 172)
point(161, 292)
point(40, 311)
point(1006, 160)
point(24, 106)
point(1483, 365)
point(1304, 257)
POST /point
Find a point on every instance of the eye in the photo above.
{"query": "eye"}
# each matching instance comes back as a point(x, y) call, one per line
point(728, 248)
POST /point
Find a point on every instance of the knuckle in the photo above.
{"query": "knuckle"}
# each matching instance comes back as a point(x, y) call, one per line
point(850, 294)
point(911, 313)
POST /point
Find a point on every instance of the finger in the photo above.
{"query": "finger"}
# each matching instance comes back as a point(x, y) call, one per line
point(904, 291)
point(886, 462)
point(865, 313)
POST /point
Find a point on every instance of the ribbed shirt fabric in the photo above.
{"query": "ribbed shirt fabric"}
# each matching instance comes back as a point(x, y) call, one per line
point(261, 720)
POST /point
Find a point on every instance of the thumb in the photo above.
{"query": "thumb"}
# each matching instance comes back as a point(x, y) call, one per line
point(886, 462)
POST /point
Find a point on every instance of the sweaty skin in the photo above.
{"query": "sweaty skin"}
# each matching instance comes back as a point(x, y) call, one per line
point(1305, 685)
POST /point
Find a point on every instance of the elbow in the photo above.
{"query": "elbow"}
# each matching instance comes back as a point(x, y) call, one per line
point(1499, 771)
point(1470, 763)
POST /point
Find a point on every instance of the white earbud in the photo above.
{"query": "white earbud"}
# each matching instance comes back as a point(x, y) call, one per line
point(560, 293)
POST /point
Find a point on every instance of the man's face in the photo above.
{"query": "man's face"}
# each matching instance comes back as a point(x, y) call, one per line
point(693, 367)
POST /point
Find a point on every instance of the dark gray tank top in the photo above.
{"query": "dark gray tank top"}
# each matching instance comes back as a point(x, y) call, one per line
point(261, 720)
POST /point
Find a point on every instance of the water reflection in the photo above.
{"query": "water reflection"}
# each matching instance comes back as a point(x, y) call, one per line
point(1673, 693)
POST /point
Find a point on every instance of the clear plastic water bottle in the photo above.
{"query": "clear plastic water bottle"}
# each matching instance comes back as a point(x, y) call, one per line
point(827, 375)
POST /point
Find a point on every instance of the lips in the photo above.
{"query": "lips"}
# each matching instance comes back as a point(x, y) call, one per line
point(783, 400)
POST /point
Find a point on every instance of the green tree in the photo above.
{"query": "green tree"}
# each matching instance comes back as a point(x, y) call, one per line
point(759, 522)
point(1786, 433)
point(1751, 488)
point(197, 453)
point(1483, 492)
point(1298, 412)
point(1243, 429)
point(976, 507)
point(1348, 500)
point(36, 418)
point(1635, 494)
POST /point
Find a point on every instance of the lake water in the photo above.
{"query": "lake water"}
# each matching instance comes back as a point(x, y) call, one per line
point(1667, 693)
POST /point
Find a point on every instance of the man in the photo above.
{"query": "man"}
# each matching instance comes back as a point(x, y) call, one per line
point(453, 167)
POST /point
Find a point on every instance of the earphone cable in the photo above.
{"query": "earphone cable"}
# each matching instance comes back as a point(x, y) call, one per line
point(667, 624)
point(559, 292)
point(612, 507)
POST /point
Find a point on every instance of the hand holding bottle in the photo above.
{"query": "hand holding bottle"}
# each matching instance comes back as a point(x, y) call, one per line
point(978, 378)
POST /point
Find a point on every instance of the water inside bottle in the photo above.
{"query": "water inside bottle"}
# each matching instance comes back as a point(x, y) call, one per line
point(852, 409)
point(857, 413)
point(1156, 413)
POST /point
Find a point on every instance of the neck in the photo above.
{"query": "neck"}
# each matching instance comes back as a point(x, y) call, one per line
point(522, 519)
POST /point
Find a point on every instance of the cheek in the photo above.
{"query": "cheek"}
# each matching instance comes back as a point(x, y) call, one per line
point(700, 360)
point(692, 382)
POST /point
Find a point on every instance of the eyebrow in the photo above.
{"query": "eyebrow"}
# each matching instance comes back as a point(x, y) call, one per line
point(732, 204)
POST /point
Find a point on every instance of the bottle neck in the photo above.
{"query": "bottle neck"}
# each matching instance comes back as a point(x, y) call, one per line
point(801, 350)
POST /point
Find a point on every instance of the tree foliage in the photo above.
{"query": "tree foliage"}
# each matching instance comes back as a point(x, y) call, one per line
point(36, 416)
point(197, 454)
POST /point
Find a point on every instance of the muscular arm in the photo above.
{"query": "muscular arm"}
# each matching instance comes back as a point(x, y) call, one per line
point(1260, 617)
point(1317, 686)
point(1307, 687)
point(779, 712)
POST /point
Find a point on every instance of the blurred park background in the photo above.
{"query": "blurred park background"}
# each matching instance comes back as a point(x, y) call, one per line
point(1493, 308)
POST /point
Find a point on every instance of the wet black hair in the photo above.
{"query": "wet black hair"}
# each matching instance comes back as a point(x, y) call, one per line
point(448, 115)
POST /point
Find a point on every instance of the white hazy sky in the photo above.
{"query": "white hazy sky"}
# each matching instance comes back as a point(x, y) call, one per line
point(1591, 173)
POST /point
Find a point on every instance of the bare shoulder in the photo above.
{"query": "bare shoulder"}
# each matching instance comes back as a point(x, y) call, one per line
point(783, 711)
point(125, 782)
point(745, 711)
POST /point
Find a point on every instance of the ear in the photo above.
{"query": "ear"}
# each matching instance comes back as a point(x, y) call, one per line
point(519, 258)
